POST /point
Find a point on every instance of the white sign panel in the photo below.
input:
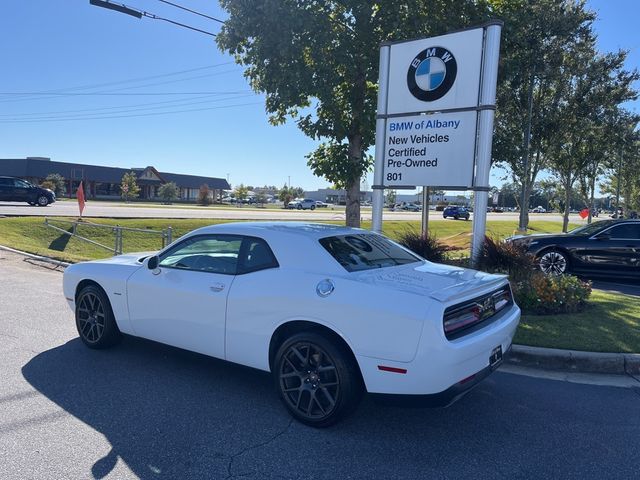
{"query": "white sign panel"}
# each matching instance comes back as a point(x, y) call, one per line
point(435, 73)
point(430, 150)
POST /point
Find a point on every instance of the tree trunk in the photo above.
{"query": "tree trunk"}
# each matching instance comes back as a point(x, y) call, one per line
point(592, 194)
point(353, 188)
point(567, 207)
point(524, 205)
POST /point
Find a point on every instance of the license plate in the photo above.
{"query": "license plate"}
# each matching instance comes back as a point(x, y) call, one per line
point(495, 359)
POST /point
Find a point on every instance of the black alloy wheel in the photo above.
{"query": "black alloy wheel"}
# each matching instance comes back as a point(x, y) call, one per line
point(553, 262)
point(95, 321)
point(316, 379)
point(43, 201)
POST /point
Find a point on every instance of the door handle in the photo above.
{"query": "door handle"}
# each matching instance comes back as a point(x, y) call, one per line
point(217, 287)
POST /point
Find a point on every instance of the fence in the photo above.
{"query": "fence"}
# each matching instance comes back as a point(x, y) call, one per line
point(166, 234)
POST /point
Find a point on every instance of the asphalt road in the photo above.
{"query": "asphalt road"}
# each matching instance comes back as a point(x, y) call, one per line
point(143, 410)
point(121, 210)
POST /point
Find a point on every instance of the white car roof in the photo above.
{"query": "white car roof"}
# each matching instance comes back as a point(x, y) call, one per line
point(305, 229)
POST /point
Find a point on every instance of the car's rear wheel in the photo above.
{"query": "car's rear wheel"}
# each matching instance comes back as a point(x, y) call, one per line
point(456, 217)
point(313, 207)
point(553, 262)
point(95, 321)
point(299, 207)
point(317, 380)
point(43, 201)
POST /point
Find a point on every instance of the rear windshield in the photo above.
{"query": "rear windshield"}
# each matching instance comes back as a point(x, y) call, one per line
point(365, 251)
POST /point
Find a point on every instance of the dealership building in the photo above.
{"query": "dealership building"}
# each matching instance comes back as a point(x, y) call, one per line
point(104, 182)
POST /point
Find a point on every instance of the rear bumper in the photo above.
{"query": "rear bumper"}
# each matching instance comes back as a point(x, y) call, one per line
point(442, 369)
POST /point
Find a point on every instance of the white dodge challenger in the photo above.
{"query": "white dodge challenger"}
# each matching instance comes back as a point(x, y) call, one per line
point(330, 311)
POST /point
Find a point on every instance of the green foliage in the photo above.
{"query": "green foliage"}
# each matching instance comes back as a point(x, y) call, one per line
point(204, 195)
point(55, 182)
point(240, 192)
point(547, 294)
point(129, 186)
point(168, 192)
point(426, 246)
point(317, 63)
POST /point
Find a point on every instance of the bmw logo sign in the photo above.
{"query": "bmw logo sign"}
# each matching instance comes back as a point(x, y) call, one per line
point(432, 73)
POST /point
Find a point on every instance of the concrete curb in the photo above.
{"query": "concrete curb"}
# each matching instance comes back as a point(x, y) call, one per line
point(575, 361)
point(35, 257)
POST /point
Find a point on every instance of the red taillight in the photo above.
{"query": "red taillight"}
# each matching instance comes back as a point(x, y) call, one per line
point(464, 318)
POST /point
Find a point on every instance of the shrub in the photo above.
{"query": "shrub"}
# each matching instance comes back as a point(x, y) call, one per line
point(424, 245)
point(168, 192)
point(506, 257)
point(543, 295)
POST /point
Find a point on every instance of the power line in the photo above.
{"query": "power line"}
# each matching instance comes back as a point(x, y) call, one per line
point(118, 110)
point(136, 12)
point(118, 82)
point(134, 115)
point(143, 106)
point(192, 11)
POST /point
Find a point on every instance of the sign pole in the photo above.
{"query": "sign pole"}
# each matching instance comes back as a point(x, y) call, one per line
point(381, 126)
point(425, 211)
point(485, 135)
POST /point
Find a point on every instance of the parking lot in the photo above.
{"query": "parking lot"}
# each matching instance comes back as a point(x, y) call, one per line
point(143, 410)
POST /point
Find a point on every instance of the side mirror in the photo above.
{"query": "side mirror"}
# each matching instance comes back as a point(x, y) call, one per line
point(152, 264)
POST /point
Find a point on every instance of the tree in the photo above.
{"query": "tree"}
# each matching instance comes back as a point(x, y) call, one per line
point(317, 63)
point(55, 182)
point(598, 84)
point(284, 194)
point(204, 195)
point(168, 192)
point(261, 197)
point(241, 192)
point(129, 186)
point(538, 42)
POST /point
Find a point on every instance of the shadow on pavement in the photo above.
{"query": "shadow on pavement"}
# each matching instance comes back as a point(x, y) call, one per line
point(170, 414)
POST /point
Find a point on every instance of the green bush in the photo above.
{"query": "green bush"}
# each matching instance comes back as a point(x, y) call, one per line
point(547, 294)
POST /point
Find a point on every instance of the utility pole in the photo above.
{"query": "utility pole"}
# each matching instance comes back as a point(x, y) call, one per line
point(619, 180)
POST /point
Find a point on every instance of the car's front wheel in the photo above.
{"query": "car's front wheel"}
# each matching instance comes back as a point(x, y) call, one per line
point(317, 380)
point(43, 201)
point(313, 207)
point(553, 262)
point(95, 321)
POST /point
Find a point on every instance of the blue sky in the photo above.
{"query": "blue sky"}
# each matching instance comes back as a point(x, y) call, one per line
point(69, 46)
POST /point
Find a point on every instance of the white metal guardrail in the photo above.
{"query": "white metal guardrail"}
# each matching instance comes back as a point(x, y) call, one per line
point(165, 234)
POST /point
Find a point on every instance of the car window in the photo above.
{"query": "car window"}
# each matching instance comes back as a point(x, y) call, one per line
point(589, 229)
point(626, 231)
point(20, 183)
point(366, 251)
point(256, 255)
point(205, 253)
point(6, 182)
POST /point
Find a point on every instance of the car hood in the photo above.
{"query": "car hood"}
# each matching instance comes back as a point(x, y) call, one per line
point(126, 259)
point(441, 282)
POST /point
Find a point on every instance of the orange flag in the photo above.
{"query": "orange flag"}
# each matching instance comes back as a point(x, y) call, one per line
point(80, 197)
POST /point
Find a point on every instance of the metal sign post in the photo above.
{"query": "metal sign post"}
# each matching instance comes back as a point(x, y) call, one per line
point(377, 205)
point(485, 137)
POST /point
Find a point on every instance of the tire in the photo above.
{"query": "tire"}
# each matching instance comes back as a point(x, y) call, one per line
point(316, 379)
point(456, 217)
point(95, 321)
point(313, 207)
point(42, 201)
point(553, 262)
point(299, 207)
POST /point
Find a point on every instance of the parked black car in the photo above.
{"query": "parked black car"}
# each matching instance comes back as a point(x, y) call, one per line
point(456, 212)
point(18, 190)
point(607, 248)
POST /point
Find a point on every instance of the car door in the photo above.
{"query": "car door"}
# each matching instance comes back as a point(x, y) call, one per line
point(21, 191)
point(183, 302)
point(6, 187)
point(617, 249)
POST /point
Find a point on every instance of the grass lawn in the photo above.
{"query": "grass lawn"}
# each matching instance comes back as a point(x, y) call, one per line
point(609, 323)
point(31, 235)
